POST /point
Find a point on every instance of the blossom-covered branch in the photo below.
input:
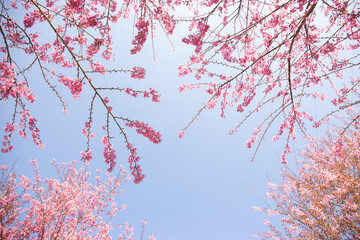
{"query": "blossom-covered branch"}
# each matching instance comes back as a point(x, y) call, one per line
point(74, 52)
point(275, 57)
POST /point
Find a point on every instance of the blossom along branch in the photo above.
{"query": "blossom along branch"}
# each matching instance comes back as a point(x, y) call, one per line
point(65, 208)
point(278, 56)
point(270, 54)
point(74, 24)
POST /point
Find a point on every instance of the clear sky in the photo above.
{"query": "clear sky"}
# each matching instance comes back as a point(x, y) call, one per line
point(200, 187)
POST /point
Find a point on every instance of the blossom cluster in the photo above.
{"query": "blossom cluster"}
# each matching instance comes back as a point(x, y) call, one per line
point(143, 29)
point(134, 166)
point(86, 156)
point(10, 128)
point(138, 72)
point(196, 39)
point(25, 122)
point(9, 86)
point(164, 17)
point(145, 130)
point(74, 85)
point(109, 153)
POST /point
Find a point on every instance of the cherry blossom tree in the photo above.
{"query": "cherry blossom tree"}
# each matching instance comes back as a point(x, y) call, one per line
point(274, 57)
point(78, 41)
point(67, 207)
point(321, 199)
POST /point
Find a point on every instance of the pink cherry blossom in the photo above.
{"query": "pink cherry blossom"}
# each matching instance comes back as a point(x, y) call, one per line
point(68, 207)
point(138, 72)
point(143, 27)
point(145, 130)
point(272, 58)
point(73, 46)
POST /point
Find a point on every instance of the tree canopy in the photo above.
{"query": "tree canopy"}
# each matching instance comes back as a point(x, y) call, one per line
point(269, 61)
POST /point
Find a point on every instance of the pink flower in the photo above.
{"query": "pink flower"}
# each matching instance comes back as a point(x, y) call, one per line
point(76, 5)
point(140, 38)
point(13, 4)
point(167, 20)
point(29, 21)
point(98, 67)
point(182, 88)
point(134, 166)
point(184, 69)
point(10, 127)
point(75, 86)
point(146, 131)
point(93, 48)
point(104, 140)
point(138, 72)
point(110, 156)
point(181, 134)
point(86, 156)
point(196, 39)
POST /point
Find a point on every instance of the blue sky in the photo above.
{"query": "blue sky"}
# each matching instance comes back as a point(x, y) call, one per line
point(200, 187)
